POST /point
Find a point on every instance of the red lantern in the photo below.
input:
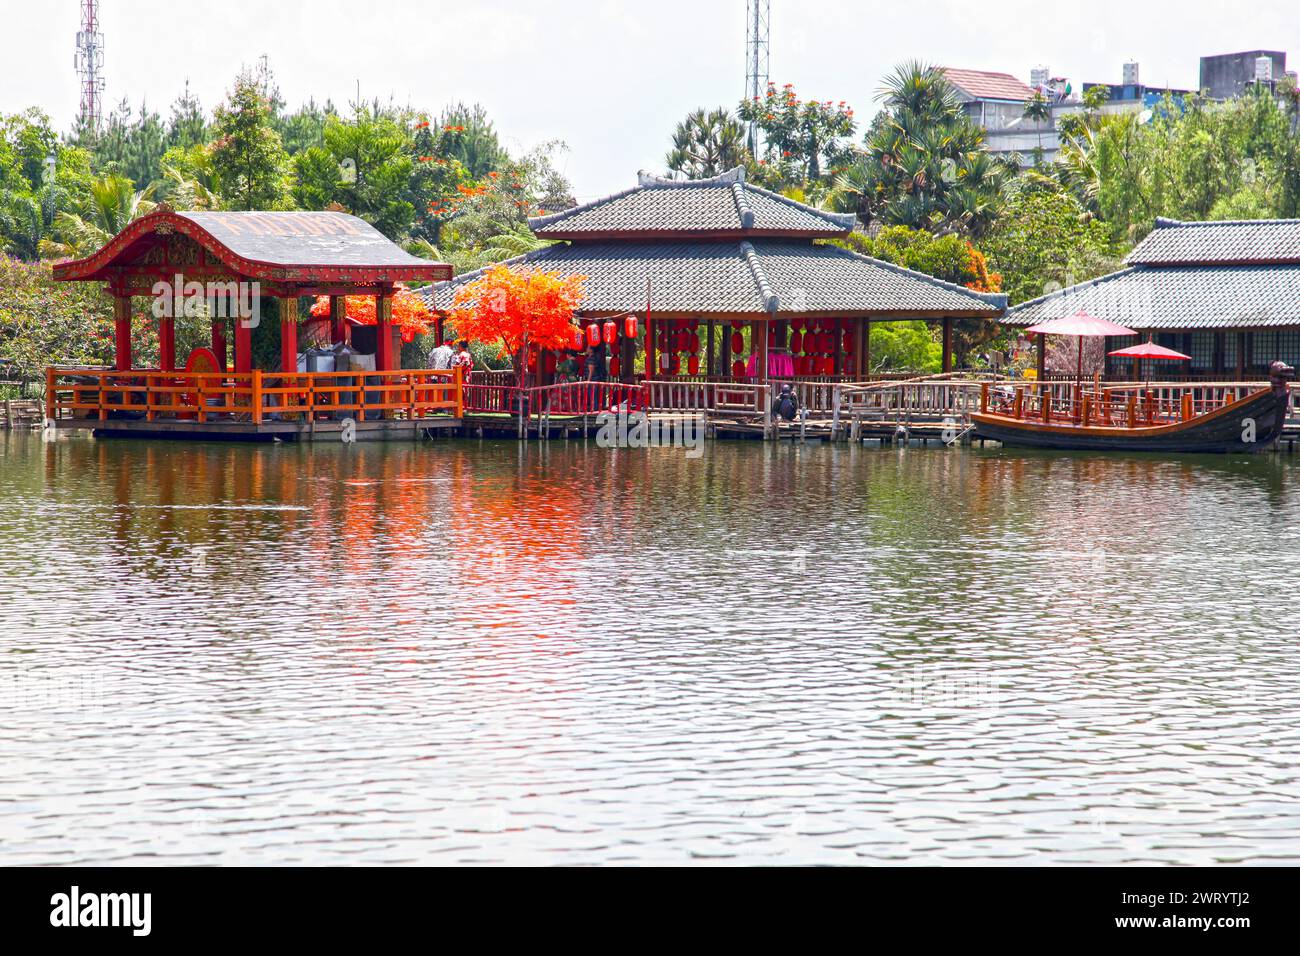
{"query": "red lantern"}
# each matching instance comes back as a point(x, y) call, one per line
point(737, 324)
point(738, 369)
point(796, 341)
point(737, 342)
point(613, 367)
point(828, 366)
point(693, 365)
point(677, 365)
point(593, 334)
point(629, 326)
point(578, 339)
point(611, 331)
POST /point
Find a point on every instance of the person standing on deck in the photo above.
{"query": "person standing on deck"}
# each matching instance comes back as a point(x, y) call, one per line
point(463, 360)
point(597, 371)
point(440, 359)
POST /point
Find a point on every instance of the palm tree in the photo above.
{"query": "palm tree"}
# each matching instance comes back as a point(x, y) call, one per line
point(515, 241)
point(924, 164)
point(1039, 109)
point(114, 203)
point(707, 143)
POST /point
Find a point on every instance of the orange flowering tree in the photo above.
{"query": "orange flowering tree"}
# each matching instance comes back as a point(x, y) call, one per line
point(409, 311)
point(518, 308)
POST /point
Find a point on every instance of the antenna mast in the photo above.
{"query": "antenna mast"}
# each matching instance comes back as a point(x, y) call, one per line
point(758, 29)
point(89, 62)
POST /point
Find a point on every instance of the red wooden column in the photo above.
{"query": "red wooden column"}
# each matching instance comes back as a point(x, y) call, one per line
point(1042, 357)
point(122, 331)
point(651, 353)
point(243, 344)
point(947, 343)
point(339, 320)
point(219, 341)
point(167, 343)
point(864, 355)
point(384, 332)
point(289, 334)
point(758, 342)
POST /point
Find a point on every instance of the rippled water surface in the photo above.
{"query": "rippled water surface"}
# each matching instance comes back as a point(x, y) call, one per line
point(480, 652)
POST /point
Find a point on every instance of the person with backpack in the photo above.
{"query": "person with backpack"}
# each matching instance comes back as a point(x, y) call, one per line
point(786, 405)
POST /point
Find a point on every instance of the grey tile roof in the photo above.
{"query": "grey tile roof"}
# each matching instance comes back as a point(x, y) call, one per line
point(722, 204)
point(754, 277)
point(1178, 297)
point(303, 238)
point(1223, 243)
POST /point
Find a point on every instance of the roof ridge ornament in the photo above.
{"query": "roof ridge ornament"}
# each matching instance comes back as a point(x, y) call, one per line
point(650, 180)
point(742, 205)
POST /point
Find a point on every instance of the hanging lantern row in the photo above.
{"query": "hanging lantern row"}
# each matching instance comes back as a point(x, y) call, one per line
point(678, 342)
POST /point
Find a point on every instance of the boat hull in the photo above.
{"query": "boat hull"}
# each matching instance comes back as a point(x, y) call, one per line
point(1249, 425)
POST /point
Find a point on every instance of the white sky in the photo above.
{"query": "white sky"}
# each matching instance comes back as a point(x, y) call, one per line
point(609, 78)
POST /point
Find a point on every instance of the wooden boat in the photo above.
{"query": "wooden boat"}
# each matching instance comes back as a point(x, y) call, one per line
point(1122, 420)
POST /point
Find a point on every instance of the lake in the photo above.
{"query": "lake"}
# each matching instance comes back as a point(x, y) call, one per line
point(482, 652)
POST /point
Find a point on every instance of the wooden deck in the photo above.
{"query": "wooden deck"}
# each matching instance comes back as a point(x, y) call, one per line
point(255, 406)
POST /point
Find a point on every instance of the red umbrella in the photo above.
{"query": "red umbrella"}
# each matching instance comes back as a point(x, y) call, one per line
point(1082, 325)
point(1148, 350)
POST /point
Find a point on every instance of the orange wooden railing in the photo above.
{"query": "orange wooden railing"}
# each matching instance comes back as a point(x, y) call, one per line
point(253, 397)
point(1121, 407)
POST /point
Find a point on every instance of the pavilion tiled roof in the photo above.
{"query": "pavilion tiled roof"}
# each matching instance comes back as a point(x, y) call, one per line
point(1178, 297)
point(290, 246)
point(1219, 243)
point(984, 85)
point(756, 277)
point(719, 206)
point(1192, 275)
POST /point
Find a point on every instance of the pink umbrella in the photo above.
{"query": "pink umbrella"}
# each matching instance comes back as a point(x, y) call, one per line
point(1081, 325)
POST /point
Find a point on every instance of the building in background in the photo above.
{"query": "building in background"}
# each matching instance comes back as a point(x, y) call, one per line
point(1226, 75)
point(1131, 95)
point(996, 101)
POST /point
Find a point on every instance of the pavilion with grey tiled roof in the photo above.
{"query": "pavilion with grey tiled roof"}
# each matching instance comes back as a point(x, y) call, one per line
point(1225, 293)
point(721, 250)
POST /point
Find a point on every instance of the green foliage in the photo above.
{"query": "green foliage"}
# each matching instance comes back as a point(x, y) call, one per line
point(471, 140)
point(43, 322)
point(924, 164)
point(131, 147)
point(305, 127)
point(707, 143)
point(248, 157)
point(904, 346)
point(1198, 160)
point(801, 136)
point(379, 167)
point(1045, 239)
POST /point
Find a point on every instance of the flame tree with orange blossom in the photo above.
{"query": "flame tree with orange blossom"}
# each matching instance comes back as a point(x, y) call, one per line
point(518, 308)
